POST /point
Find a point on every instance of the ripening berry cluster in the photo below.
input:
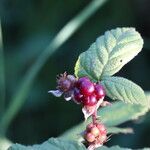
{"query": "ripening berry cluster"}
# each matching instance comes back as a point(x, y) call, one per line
point(88, 93)
point(95, 134)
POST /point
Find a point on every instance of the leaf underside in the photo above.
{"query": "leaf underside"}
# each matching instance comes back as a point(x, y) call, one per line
point(51, 144)
point(58, 144)
point(118, 88)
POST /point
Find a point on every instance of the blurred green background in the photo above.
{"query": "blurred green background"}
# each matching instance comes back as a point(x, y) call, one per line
point(29, 26)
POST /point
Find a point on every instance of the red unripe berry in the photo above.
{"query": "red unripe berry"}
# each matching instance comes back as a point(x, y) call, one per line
point(102, 129)
point(89, 127)
point(95, 131)
point(71, 78)
point(89, 100)
point(90, 137)
point(80, 80)
point(87, 88)
point(99, 91)
point(102, 138)
point(77, 95)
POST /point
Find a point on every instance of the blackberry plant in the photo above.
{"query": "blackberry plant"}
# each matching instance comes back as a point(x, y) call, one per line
point(93, 80)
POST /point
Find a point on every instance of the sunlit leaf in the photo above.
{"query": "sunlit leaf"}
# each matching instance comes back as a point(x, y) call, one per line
point(109, 53)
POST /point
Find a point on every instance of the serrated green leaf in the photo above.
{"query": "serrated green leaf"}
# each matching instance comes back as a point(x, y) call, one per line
point(118, 148)
point(51, 144)
point(109, 53)
point(113, 115)
point(58, 144)
point(118, 88)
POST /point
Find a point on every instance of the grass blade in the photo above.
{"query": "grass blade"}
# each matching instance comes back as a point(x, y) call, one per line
point(2, 74)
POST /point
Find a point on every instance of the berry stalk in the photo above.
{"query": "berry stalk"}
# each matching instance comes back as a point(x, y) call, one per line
point(94, 117)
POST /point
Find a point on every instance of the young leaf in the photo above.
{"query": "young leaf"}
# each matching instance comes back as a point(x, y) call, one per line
point(147, 93)
point(51, 144)
point(124, 112)
point(118, 88)
point(116, 130)
point(109, 53)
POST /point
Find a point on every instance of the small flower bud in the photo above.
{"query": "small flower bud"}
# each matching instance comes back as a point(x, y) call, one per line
point(65, 86)
point(65, 82)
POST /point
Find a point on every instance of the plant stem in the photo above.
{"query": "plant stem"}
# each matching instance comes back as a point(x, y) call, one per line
point(2, 74)
point(94, 117)
point(65, 33)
